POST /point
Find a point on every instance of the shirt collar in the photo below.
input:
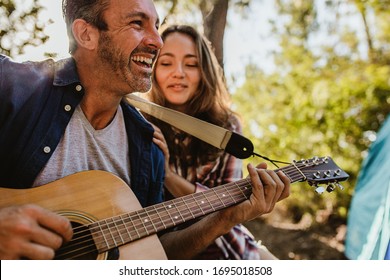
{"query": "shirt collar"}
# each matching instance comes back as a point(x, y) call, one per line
point(65, 72)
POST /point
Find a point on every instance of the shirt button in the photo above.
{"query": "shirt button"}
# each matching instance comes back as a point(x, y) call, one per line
point(46, 149)
point(79, 87)
point(68, 108)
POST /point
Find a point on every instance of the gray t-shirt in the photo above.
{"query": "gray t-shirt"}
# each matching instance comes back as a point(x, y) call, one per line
point(84, 148)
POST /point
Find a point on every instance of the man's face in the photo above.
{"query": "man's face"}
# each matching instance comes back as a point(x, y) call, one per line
point(130, 46)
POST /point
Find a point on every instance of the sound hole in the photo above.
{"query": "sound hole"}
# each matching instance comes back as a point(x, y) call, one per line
point(82, 246)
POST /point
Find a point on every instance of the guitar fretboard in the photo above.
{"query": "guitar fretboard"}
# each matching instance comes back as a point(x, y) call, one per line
point(117, 231)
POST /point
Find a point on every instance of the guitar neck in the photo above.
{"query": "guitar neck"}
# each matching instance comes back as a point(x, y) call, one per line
point(119, 230)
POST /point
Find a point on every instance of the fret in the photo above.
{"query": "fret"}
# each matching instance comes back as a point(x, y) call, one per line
point(165, 215)
point(208, 201)
point(194, 204)
point(178, 212)
point(134, 226)
point(237, 192)
point(151, 220)
point(288, 175)
point(168, 207)
point(98, 237)
point(219, 197)
point(143, 221)
point(227, 194)
point(110, 233)
point(294, 170)
point(245, 188)
point(232, 197)
point(197, 203)
point(111, 229)
point(225, 198)
point(188, 208)
point(159, 216)
point(116, 221)
point(130, 238)
point(104, 237)
point(288, 171)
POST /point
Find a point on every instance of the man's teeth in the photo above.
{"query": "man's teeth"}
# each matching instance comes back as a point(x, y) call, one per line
point(142, 59)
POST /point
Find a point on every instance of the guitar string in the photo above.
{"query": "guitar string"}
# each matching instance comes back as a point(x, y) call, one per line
point(135, 215)
point(242, 179)
point(156, 210)
point(119, 232)
point(167, 217)
point(151, 219)
point(139, 222)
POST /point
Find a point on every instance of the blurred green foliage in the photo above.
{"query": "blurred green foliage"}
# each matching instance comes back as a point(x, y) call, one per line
point(20, 26)
point(322, 100)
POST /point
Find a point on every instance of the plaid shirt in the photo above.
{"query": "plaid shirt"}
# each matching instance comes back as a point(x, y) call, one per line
point(239, 243)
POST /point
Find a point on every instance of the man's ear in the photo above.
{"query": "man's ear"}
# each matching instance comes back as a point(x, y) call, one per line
point(85, 34)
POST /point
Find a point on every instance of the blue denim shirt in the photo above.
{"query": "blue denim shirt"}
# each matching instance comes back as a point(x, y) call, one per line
point(37, 100)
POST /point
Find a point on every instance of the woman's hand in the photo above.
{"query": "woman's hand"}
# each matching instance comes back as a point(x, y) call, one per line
point(176, 185)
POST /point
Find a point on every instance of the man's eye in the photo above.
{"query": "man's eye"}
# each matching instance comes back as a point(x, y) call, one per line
point(136, 22)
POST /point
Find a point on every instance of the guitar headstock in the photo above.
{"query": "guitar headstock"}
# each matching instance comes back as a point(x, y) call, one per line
point(319, 171)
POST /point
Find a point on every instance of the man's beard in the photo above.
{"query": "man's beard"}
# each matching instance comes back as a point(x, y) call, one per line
point(111, 56)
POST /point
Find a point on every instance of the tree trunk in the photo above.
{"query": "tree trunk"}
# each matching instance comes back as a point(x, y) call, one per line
point(214, 23)
point(371, 50)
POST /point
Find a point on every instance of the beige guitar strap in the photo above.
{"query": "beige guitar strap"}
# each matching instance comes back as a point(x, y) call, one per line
point(233, 143)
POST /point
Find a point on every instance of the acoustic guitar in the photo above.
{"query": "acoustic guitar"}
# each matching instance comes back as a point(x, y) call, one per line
point(109, 223)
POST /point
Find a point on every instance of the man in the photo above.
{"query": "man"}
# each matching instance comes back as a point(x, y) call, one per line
point(60, 118)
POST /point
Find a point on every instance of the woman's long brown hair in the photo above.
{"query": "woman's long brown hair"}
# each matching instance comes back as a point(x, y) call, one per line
point(211, 103)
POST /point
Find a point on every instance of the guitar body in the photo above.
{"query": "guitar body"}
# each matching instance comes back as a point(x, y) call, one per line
point(87, 197)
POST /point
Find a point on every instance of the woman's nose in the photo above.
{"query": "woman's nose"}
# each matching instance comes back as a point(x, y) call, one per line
point(178, 72)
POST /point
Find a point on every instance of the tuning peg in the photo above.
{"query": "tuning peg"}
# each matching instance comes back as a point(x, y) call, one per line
point(319, 189)
point(330, 187)
point(339, 186)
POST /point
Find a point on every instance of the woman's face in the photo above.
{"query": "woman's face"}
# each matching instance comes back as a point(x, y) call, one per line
point(177, 70)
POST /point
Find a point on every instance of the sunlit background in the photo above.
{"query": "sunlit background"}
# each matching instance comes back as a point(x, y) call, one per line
point(308, 78)
point(241, 46)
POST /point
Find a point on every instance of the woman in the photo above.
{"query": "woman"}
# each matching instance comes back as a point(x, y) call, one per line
point(188, 78)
